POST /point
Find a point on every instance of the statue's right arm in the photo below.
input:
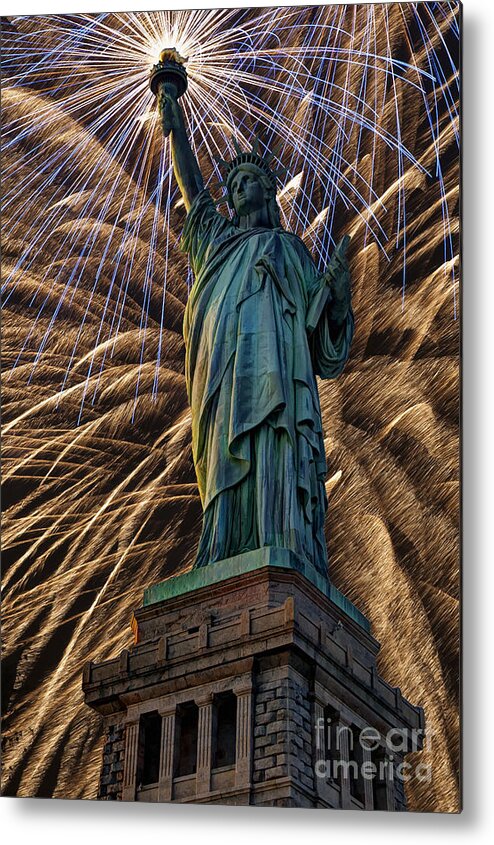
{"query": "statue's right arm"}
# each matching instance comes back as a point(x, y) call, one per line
point(185, 165)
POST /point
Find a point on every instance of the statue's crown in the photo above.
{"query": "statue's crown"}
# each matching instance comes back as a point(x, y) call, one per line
point(254, 157)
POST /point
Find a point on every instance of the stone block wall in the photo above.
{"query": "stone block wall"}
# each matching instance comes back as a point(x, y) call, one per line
point(282, 733)
point(110, 785)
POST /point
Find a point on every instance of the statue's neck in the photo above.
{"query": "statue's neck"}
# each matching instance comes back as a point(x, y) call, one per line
point(254, 219)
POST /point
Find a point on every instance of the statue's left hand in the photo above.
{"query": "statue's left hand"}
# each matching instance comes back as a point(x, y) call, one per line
point(337, 277)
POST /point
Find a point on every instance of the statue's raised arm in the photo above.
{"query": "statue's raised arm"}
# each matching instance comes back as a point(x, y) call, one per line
point(170, 81)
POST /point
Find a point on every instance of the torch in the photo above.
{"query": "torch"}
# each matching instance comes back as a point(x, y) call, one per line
point(169, 77)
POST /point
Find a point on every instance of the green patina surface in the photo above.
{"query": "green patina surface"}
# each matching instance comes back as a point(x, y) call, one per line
point(250, 562)
point(259, 324)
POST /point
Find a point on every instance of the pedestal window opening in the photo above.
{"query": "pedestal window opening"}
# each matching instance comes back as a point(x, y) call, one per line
point(186, 739)
point(332, 744)
point(380, 779)
point(148, 760)
point(224, 730)
point(356, 760)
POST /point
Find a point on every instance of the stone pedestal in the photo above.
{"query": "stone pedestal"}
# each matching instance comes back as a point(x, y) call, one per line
point(251, 681)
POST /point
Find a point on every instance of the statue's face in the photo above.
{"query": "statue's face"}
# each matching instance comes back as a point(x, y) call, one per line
point(247, 190)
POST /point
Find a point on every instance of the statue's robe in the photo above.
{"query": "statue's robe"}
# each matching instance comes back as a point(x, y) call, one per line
point(251, 364)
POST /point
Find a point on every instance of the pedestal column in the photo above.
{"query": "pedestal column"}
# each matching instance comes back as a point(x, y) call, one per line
point(343, 732)
point(130, 762)
point(166, 754)
point(204, 743)
point(243, 743)
point(367, 761)
point(320, 753)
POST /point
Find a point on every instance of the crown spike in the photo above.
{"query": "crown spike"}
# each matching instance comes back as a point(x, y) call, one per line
point(235, 143)
point(221, 162)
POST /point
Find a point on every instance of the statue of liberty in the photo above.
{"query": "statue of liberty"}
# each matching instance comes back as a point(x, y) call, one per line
point(260, 323)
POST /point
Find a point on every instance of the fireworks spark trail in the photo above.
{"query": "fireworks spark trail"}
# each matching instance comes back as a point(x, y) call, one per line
point(241, 67)
point(360, 105)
